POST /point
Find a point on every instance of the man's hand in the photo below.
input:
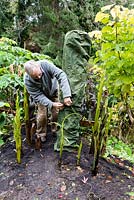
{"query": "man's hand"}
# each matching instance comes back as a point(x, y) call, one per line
point(67, 101)
point(58, 105)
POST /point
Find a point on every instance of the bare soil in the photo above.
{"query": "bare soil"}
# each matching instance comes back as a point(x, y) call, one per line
point(39, 177)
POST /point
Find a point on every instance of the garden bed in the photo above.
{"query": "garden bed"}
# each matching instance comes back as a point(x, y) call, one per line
point(39, 177)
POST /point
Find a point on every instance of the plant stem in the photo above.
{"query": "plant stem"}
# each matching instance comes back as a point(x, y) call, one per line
point(79, 153)
point(27, 119)
point(17, 130)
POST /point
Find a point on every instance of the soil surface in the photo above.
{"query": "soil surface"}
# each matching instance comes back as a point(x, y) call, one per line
point(39, 177)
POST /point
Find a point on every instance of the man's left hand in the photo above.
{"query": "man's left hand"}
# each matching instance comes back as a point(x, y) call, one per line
point(67, 101)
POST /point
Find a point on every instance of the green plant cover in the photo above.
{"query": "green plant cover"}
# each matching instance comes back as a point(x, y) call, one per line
point(76, 53)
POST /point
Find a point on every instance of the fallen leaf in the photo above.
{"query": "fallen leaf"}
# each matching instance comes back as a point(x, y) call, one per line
point(42, 155)
point(20, 174)
point(85, 180)
point(129, 186)
point(102, 174)
point(20, 186)
point(63, 188)
point(109, 178)
point(60, 196)
point(107, 181)
point(34, 175)
point(39, 190)
point(11, 182)
point(73, 184)
point(117, 160)
point(121, 164)
point(31, 161)
point(94, 177)
point(80, 169)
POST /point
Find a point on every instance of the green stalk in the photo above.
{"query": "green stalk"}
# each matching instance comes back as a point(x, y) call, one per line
point(96, 139)
point(97, 114)
point(97, 147)
point(107, 127)
point(26, 116)
point(79, 153)
point(17, 131)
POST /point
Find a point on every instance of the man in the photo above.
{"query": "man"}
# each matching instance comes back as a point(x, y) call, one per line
point(42, 79)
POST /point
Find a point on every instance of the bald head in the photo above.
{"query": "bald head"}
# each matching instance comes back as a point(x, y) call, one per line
point(33, 69)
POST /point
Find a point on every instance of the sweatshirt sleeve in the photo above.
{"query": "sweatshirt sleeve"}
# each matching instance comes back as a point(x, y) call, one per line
point(60, 76)
point(36, 93)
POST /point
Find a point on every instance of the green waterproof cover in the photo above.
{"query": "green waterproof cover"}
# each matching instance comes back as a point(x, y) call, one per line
point(76, 53)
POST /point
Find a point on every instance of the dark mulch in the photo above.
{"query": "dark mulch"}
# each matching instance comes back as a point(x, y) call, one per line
point(39, 177)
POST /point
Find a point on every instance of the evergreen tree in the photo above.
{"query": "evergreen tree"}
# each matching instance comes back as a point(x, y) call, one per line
point(6, 18)
point(41, 25)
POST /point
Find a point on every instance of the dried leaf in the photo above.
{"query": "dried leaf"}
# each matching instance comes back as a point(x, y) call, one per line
point(73, 184)
point(11, 182)
point(107, 181)
point(42, 155)
point(21, 174)
point(39, 190)
point(116, 160)
point(109, 178)
point(80, 169)
point(63, 188)
point(85, 180)
point(60, 196)
point(121, 164)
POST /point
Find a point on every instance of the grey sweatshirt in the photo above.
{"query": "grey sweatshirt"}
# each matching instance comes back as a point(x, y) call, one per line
point(43, 90)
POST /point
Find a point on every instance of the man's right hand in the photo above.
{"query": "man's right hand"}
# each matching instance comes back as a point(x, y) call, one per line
point(58, 105)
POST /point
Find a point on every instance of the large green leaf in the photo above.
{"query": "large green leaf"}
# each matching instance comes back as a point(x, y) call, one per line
point(2, 119)
point(1, 142)
point(2, 104)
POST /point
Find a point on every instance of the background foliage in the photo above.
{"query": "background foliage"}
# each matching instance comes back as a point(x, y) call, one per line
point(114, 55)
point(40, 26)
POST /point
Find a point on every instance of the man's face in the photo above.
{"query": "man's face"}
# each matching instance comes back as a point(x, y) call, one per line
point(37, 73)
